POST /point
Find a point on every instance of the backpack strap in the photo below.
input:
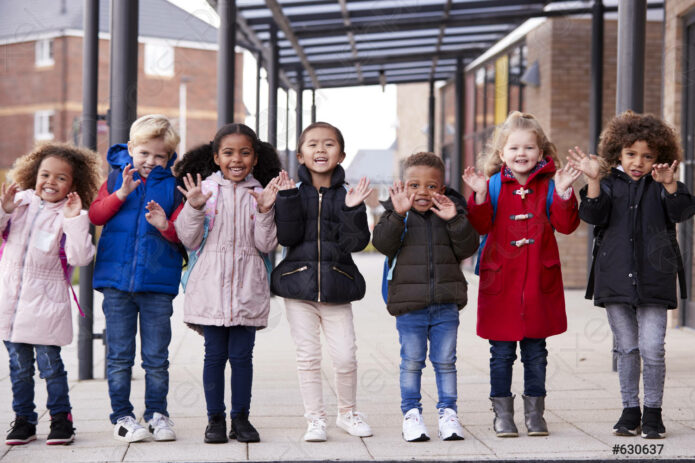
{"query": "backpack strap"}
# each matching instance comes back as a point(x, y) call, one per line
point(5, 234)
point(493, 190)
point(388, 269)
point(112, 179)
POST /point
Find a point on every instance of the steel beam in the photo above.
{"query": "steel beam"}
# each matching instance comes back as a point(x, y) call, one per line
point(226, 61)
point(632, 19)
point(430, 119)
point(457, 155)
point(313, 105)
point(299, 123)
point(401, 58)
point(259, 65)
point(124, 70)
point(273, 70)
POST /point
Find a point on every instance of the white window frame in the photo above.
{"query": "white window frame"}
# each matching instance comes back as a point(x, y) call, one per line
point(44, 52)
point(42, 124)
point(159, 59)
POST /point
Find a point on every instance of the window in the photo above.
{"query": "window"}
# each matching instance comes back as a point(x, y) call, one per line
point(44, 52)
point(159, 59)
point(43, 125)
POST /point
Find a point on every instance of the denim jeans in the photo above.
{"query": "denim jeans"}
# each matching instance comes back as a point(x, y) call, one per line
point(639, 332)
point(121, 310)
point(22, 376)
point(439, 324)
point(534, 356)
point(233, 344)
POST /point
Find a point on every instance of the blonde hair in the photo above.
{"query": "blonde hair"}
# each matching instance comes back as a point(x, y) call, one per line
point(492, 160)
point(154, 126)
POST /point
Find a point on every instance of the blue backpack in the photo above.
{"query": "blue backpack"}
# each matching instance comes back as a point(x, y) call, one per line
point(494, 187)
point(388, 269)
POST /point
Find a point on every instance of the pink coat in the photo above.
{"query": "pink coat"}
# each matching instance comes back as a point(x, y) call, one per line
point(35, 300)
point(229, 284)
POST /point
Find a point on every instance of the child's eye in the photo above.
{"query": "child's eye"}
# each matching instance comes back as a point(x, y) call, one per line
point(432, 187)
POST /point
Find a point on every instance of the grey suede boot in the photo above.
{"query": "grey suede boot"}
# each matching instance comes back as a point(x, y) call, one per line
point(533, 416)
point(504, 416)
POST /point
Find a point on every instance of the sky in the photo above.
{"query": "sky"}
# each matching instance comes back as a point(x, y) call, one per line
point(365, 115)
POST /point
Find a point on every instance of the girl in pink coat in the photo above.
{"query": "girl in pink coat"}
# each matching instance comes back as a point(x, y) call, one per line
point(521, 298)
point(227, 222)
point(45, 232)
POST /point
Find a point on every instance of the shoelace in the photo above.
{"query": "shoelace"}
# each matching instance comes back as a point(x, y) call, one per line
point(316, 425)
point(356, 418)
point(129, 421)
point(162, 418)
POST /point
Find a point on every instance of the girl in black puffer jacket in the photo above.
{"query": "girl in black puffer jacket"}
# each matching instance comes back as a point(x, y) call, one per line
point(320, 223)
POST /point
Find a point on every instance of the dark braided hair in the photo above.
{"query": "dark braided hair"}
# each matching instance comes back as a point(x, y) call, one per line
point(201, 159)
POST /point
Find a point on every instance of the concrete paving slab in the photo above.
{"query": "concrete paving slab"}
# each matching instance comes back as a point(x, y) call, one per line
point(287, 444)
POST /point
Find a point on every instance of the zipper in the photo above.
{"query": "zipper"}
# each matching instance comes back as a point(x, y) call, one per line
point(430, 259)
point(24, 260)
point(231, 300)
point(318, 244)
point(131, 286)
point(300, 269)
point(342, 272)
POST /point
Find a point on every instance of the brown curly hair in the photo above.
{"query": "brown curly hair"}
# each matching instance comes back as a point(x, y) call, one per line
point(86, 168)
point(491, 159)
point(425, 159)
point(627, 128)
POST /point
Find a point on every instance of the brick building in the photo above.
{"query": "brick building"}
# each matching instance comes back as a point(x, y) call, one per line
point(41, 72)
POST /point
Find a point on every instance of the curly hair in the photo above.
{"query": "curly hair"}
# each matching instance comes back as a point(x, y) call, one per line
point(201, 159)
point(627, 128)
point(491, 157)
point(425, 159)
point(85, 163)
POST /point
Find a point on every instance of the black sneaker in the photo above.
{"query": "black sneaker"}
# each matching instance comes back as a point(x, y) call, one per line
point(652, 425)
point(629, 422)
point(216, 431)
point(21, 432)
point(62, 431)
point(242, 430)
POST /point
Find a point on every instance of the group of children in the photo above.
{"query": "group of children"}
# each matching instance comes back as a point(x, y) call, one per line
point(227, 204)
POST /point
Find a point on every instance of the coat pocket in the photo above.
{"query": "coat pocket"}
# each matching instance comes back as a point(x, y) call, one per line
point(551, 277)
point(490, 277)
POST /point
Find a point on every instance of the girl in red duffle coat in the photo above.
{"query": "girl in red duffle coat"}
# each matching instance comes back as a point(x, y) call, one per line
point(520, 295)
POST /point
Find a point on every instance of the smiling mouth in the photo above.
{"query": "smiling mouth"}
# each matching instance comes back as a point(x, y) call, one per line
point(50, 191)
point(320, 160)
point(236, 170)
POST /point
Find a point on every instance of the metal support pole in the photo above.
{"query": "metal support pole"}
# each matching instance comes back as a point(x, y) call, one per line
point(632, 19)
point(430, 119)
point(90, 74)
point(273, 66)
point(313, 105)
point(457, 155)
point(124, 69)
point(226, 61)
point(292, 166)
point(595, 100)
point(287, 129)
point(259, 65)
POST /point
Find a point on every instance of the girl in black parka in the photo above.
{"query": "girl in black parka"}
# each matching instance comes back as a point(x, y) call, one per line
point(320, 222)
point(634, 200)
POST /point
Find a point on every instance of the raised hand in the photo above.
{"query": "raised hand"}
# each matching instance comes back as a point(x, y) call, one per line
point(73, 206)
point(7, 197)
point(355, 196)
point(194, 191)
point(129, 185)
point(665, 173)
point(266, 198)
point(285, 182)
point(565, 177)
point(589, 165)
point(156, 216)
point(443, 207)
point(475, 180)
point(400, 199)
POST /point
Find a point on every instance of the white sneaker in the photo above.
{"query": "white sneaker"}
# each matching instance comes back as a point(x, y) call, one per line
point(449, 425)
point(316, 431)
point(353, 423)
point(160, 427)
point(129, 430)
point(414, 429)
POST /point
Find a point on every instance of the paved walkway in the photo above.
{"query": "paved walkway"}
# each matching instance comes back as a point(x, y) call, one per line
point(582, 405)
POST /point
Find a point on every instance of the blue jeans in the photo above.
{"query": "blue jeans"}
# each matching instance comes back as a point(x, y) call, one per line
point(233, 344)
point(22, 376)
point(534, 356)
point(121, 310)
point(439, 324)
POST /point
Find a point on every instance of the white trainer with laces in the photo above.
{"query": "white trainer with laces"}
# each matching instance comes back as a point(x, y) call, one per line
point(449, 425)
point(160, 427)
point(353, 423)
point(129, 430)
point(414, 429)
point(316, 430)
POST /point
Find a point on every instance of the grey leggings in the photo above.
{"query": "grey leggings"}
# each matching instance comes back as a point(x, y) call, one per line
point(639, 332)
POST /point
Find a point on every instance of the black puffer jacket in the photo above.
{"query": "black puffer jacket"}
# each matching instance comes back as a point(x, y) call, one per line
point(319, 270)
point(428, 268)
point(638, 258)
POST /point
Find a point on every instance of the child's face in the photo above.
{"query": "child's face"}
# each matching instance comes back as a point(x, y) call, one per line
point(148, 155)
point(521, 153)
point(54, 179)
point(236, 157)
point(320, 152)
point(423, 182)
point(637, 160)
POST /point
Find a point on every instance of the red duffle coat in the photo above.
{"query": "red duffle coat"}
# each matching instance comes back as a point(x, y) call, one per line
point(520, 293)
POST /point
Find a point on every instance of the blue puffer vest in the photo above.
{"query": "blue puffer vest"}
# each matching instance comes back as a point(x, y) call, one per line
point(132, 255)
